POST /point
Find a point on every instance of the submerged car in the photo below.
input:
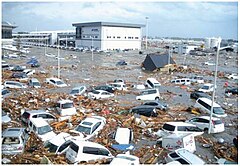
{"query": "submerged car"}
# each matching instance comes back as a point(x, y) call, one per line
point(100, 94)
point(56, 82)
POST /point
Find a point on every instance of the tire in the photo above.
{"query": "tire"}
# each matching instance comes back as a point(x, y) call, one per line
point(205, 129)
point(157, 98)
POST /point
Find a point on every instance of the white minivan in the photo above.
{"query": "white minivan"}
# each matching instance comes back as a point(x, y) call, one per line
point(149, 94)
point(152, 83)
point(66, 108)
point(41, 128)
point(84, 151)
point(204, 104)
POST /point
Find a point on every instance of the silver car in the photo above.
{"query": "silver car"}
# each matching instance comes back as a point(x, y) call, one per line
point(14, 140)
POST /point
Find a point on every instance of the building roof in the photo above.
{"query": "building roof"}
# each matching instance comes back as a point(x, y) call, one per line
point(7, 24)
point(154, 61)
point(112, 24)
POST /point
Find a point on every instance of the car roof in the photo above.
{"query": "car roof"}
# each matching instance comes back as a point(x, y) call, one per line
point(60, 138)
point(91, 120)
point(180, 124)
point(190, 157)
point(208, 101)
point(78, 87)
point(12, 132)
point(39, 122)
point(55, 79)
point(34, 79)
point(207, 117)
point(36, 111)
point(65, 101)
point(87, 143)
point(208, 84)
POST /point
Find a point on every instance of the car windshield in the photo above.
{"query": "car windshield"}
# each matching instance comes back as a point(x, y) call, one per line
point(67, 105)
point(218, 110)
point(83, 129)
point(59, 82)
point(205, 87)
point(95, 92)
point(74, 91)
point(51, 147)
point(44, 130)
point(36, 84)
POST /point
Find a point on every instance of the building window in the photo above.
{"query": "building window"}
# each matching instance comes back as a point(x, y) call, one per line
point(125, 37)
point(96, 36)
point(78, 33)
point(109, 37)
point(118, 37)
point(129, 37)
point(114, 37)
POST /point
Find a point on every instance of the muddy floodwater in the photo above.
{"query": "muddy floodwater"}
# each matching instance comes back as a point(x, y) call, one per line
point(78, 68)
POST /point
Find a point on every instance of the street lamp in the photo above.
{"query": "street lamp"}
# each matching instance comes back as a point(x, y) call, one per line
point(58, 60)
point(146, 31)
point(215, 81)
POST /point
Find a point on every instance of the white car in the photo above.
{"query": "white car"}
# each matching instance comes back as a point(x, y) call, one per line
point(29, 72)
point(119, 86)
point(14, 84)
point(233, 76)
point(207, 88)
point(198, 79)
point(77, 91)
point(56, 82)
point(84, 151)
point(125, 159)
point(90, 127)
point(203, 123)
point(59, 144)
point(184, 157)
point(123, 135)
point(100, 94)
point(179, 128)
point(150, 94)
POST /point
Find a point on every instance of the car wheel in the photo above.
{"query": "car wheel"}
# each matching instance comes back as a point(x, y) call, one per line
point(157, 98)
point(205, 129)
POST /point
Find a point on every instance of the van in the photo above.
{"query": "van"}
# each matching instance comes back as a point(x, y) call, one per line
point(84, 151)
point(205, 104)
point(150, 94)
point(33, 82)
point(66, 108)
point(119, 85)
point(152, 83)
point(41, 128)
point(182, 81)
point(176, 141)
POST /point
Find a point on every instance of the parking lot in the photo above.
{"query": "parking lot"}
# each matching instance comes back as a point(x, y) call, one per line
point(81, 68)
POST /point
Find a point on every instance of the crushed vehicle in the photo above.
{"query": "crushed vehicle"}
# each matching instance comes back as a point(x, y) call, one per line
point(107, 88)
point(125, 159)
point(198, 79)
point(232, 90)
point(207, 88)
point(182, 81)
point(65, 108)
point(20, 76)
point(152, 83)
point(197, 94)
point(5, 117)
point(5, 93)
point(119, 85)
point(59, 144)
point(78, 91)
point(14, 84)
point(33, 82)
point(145, 111)
point(123, 135)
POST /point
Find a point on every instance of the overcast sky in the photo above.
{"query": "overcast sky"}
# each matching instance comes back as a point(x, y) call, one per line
point(172, 19)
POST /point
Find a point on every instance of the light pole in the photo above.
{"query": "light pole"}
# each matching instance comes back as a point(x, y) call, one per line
point(146, 31)
point(58, 60)
point(169, 56)
point(215, 81)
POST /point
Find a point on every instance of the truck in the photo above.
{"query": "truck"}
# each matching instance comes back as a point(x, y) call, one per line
point(176, 141)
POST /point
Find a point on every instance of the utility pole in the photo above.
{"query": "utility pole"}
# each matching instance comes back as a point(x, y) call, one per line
point(146, 31)
point(92, 47)
point(215, 82)
point(169, 56)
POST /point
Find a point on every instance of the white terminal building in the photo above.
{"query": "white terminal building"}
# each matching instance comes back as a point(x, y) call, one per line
point(47, 37)
point(108, 35)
